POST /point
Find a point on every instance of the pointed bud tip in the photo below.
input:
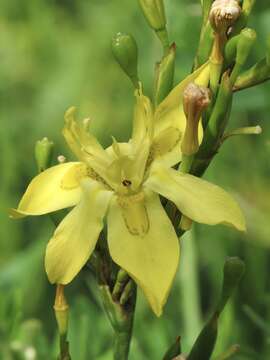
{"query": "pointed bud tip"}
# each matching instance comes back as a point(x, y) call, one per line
point(43, 153)
point(154, 12)
point(234, 269)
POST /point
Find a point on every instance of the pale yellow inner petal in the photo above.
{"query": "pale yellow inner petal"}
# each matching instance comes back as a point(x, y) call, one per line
point(198, 199)
point(134, 213)
point(151, 258)
point(76, 236)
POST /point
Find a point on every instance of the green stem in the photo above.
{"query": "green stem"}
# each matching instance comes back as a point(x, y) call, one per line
point(257, 74)
point(64, 348)
point(186, 163)
point(120, 314)
point(164, 39)
point(189, 281)
point(121, 345)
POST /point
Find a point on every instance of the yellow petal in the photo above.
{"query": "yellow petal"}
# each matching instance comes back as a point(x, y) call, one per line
point(170, 113)
point(75, 238)
point(166, 147)
point(85, 146)
point(151, 258)
point(49, 192)
point(143, 118)
point(198, 199)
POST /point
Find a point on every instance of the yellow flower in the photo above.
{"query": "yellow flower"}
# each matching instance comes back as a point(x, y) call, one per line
point(123, 184)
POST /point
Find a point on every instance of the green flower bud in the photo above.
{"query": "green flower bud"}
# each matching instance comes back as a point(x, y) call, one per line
point(234, 269)
point(154, 13)
point(245, 42)
point(125, 51)
point(165, 75)
point(244, 45)
point(43, 153)
point(196, 99)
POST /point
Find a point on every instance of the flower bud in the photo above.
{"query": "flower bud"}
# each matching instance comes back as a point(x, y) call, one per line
point(245, 42)
point(61, 310)
point(154, 13)
point(244, 45)
point(125, 51)
point(223, 14)
point(165, 75)
point(43, 153)
point(233, 271)
point(195, 99)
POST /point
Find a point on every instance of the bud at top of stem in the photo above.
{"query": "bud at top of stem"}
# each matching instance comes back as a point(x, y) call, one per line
point(195, 99)
point(125, 51)
point(246, 40)
point(233, 271)
point(154, 13)
point(223, 14)
point(43, 153)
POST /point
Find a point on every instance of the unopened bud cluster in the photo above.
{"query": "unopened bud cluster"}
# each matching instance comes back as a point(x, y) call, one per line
point(223, 14)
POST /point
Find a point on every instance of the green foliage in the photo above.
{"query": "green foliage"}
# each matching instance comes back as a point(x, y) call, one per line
point(55, 54)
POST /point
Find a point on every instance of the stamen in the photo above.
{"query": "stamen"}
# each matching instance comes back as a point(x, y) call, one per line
point(86, 124)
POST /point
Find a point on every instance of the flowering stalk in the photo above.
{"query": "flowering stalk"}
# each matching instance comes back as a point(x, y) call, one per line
point(233, 271)
point(154, 12)
point(120, 312)
point(61, 314)
point(126, 185)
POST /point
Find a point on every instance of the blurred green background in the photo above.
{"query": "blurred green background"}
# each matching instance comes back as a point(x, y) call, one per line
point(54, 54)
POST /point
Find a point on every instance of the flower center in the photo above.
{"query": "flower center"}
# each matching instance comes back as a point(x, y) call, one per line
point(127, 183)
